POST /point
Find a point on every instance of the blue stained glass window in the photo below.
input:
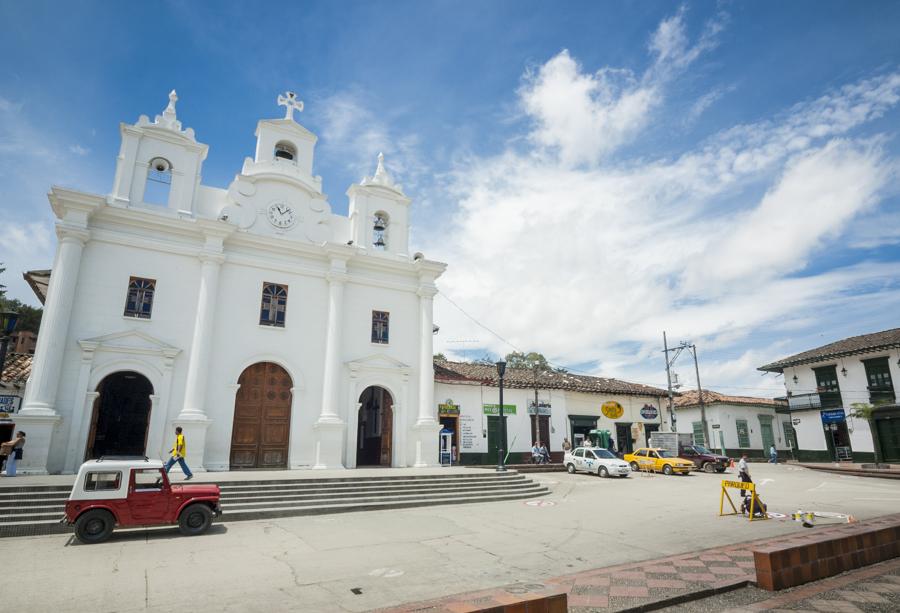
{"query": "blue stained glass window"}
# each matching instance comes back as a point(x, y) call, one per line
point(139, 302)
point(274, 305)
point(380, 327)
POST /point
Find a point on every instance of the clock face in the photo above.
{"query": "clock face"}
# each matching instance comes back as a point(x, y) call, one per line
point(281, 215)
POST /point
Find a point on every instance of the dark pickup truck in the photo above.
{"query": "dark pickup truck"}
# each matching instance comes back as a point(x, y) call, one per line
point(704, 459)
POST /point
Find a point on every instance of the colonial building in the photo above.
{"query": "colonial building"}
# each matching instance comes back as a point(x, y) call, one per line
point(826, 388)
point(276, 333)
point(545, 406)
point(737, 425)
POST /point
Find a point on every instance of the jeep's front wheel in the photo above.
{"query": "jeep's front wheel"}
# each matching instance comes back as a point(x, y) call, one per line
point(709, 467)
point(95, 526)
point(195, 519)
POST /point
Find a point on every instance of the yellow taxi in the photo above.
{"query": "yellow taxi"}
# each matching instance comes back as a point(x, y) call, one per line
point(658, 460)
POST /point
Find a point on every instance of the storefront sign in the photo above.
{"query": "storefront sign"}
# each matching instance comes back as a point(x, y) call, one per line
point(10, 404)
point(494, 409)
point(467, 432)
point(612, 409)
point(716, 426)
point(796, 421)
point(833, 416)
point(648, 411)
point(542, 408)
point(448, 409)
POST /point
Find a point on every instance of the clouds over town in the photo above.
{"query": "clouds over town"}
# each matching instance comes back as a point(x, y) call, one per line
point(568, 246)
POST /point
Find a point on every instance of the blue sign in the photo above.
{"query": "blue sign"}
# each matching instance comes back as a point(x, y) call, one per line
point(833, 416)
point(649, 412)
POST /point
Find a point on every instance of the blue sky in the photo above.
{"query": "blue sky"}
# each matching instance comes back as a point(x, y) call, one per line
point(593, 172)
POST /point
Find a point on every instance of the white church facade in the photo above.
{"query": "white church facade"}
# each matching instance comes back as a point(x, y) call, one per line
point(276, 333)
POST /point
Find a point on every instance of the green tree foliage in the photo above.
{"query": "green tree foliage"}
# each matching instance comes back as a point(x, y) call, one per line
point(440, 356)
point(532, 360)
point(29, 316)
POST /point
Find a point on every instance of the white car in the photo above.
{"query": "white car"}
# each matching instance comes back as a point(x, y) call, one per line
point(595, 460)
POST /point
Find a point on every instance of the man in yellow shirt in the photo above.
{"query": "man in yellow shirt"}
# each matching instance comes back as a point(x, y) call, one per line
point(178, 453)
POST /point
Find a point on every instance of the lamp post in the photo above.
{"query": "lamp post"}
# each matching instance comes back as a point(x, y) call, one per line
point(8, 320)
point(501, 460)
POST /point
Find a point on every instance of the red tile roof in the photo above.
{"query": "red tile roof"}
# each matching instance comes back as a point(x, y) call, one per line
point(525, 378)
point(855, 344)
point(691, 399)
point(16, 369)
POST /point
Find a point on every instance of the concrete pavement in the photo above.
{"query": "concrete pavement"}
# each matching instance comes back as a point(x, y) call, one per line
point(360, 561)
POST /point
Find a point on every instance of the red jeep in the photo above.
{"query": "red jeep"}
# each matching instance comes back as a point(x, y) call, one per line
point(133, 492)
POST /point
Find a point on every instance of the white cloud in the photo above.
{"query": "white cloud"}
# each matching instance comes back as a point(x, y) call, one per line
point(79, 150)
point(582, 117)
point(588, 263)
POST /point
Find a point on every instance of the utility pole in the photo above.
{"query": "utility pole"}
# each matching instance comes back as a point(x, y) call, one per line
point(669, 379)
point(700, 396)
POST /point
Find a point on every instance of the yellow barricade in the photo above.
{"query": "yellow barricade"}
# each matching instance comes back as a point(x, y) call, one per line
point(739, 485)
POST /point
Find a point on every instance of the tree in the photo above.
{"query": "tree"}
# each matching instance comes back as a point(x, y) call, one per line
point(531, 360)
point(2, 287)
point(440, 356)
point(29, 316)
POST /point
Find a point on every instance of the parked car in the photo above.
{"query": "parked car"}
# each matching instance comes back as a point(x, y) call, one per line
point(658, 460)
point(704, 459)
point(133, 492)
point(594, 460)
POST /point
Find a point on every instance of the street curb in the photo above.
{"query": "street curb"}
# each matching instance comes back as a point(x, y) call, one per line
point(688, 597)
point(854, 473)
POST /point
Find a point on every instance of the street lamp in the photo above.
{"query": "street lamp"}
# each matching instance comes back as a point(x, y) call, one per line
point(8, 321)
point(501, 463)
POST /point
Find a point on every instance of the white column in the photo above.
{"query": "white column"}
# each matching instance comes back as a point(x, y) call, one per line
point(77, 439)
point(40, 393)
point(331, 383)
point(427, 409)
point(329, 427)
point(201, 344)
point(427, 425)
point(192, 417)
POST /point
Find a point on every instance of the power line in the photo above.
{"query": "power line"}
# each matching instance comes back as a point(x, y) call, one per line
point(649, 384)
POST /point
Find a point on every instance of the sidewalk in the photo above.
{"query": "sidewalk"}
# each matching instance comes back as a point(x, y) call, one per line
point(873, 588)
point(263, 475)
point(848, 468)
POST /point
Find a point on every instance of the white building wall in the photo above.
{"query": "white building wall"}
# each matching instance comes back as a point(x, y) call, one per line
point(725, 416)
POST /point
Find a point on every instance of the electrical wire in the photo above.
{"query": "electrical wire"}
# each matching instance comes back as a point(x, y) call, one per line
point(650, 384)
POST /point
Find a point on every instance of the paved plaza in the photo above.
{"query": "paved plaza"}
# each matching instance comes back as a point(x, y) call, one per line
point(361, 561)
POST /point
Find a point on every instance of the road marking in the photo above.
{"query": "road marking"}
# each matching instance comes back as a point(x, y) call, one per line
point(387, 573)
point(764, 481)
point(540, 503)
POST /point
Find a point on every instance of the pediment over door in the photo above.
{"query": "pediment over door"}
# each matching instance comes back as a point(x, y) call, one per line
point(379, 362)
point(131, 342)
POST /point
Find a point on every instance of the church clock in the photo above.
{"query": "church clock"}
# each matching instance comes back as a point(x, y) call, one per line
point(281, 215)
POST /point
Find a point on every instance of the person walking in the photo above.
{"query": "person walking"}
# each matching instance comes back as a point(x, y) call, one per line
point(744, 472)
point(567, 446)
point(178, 453)
point(773, 455)
point(11, 453)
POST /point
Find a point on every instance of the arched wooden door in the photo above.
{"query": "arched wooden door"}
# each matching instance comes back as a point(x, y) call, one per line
point(260, 436)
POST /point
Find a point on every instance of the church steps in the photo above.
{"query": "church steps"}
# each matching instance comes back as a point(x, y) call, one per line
point(36, 510)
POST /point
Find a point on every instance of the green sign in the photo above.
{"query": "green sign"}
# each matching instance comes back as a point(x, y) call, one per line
point(494, 409)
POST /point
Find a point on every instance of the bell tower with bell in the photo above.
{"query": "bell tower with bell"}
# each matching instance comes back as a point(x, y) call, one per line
point(159, 164)
point(285, 147)
point(379, 213)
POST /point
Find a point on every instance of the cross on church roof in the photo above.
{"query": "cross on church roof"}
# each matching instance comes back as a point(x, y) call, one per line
point(290, 103)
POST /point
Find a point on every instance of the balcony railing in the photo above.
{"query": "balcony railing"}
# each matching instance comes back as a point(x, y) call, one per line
point(798, 402)
point(821, 400)
point(881, 394)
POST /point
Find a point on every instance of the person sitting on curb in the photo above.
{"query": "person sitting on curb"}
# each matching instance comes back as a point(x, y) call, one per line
point(11, 453)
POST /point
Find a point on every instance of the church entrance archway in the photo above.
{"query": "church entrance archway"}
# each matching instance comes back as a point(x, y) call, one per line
point(375, 427)
point(121, 416)
point(262, 418)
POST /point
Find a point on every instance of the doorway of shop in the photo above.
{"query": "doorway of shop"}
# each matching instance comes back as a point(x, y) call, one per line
point(121, 416)
point(624, 443)
point(648, 430)
point(375, 427)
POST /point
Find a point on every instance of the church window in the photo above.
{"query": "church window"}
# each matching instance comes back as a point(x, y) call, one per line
point(380, 327)
point(139, 302)
point(285, 151)
point(274, 304)
point(379, 230)
point(159, 181)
